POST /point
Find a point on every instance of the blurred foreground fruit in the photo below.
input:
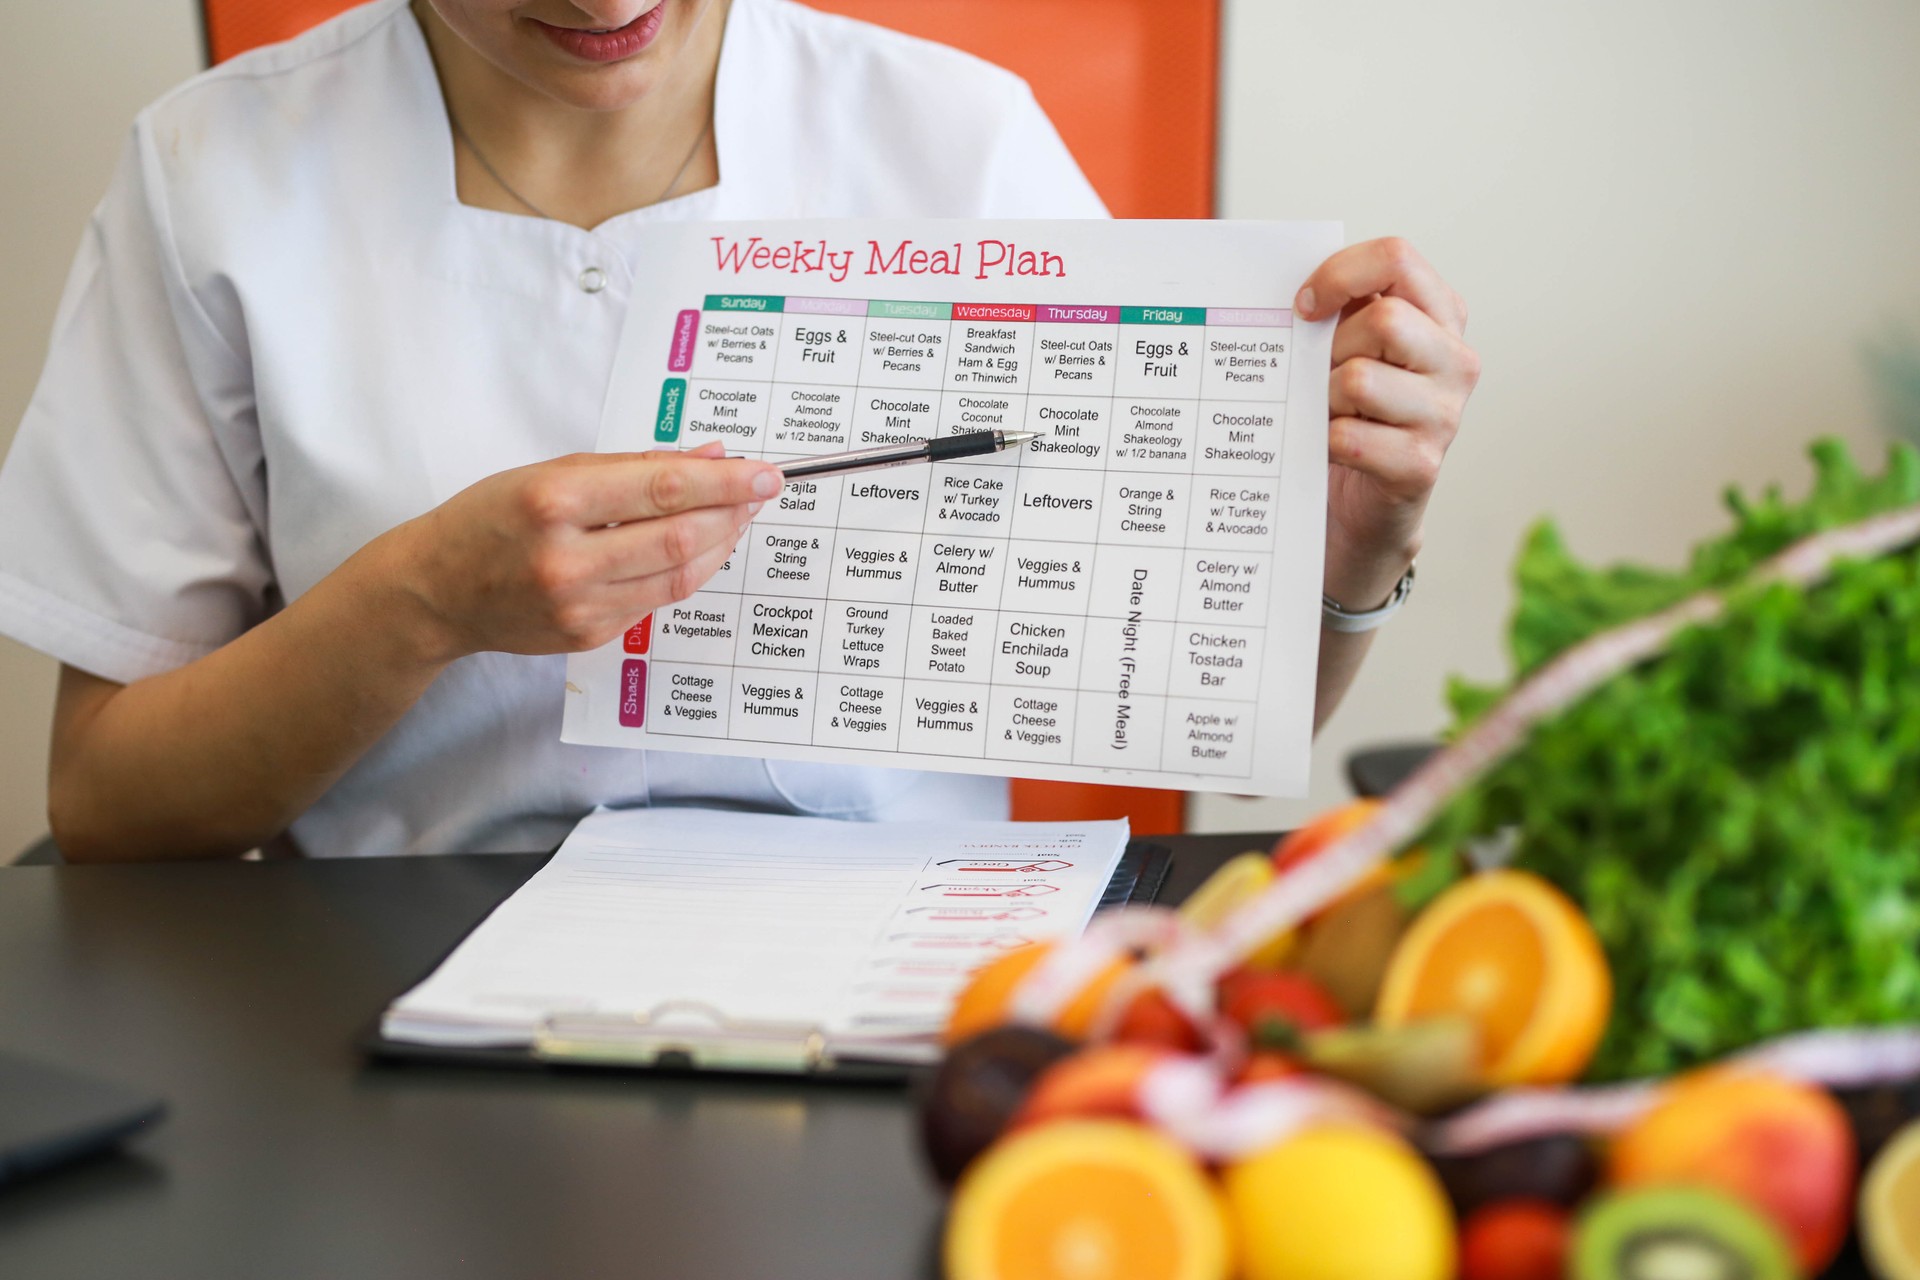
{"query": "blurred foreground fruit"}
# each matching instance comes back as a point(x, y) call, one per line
point(1277, 1009)
point(1516, 1240)
point(976, 1089)
point(1337, 1201)
point(1348, 947)
point(1236, 882)
point(1086, 1200)
point(1782, 1147)
point(1890, 1209)
point(1153, 1018)
point(1423, 1067)
point(1101, 1080)
point(1677, 1233)
point(1268, 1065)
point(1310, 840)
point(1514, 954)
point(1560, 1168)
point(987, 998)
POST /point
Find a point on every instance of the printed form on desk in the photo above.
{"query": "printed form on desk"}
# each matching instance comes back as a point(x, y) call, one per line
point(1134, 598)
point(863, 931)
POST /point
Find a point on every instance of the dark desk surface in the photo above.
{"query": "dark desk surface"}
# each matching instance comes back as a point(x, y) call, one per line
point(237, 989)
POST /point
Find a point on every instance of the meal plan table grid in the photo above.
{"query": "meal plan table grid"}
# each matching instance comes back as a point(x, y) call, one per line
point(1100, 598)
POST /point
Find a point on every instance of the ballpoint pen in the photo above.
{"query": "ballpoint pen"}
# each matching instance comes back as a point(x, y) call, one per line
point(970, 444)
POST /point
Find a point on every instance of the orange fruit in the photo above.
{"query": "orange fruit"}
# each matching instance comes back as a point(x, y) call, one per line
point(984, 1002)
point(1102, 1080)
point(1075, 1020)
point(1086, 1200)
point(1890, 1208)
point(1515, 956)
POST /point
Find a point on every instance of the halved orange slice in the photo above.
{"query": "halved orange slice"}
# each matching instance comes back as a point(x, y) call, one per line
point(1086, 1200)
point(1513, 954)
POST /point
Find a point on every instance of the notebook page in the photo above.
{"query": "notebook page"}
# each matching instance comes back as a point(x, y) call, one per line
point(859, 928)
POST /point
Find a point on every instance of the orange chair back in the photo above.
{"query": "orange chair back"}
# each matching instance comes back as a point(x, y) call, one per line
point(1132, 85)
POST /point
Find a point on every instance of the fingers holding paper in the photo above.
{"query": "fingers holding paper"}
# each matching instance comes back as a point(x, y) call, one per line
point(1402, 374)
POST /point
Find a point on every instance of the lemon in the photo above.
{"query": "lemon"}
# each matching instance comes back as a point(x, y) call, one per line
point(1340, 1202)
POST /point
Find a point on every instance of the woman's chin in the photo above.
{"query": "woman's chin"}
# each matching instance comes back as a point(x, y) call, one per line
point(612, 87)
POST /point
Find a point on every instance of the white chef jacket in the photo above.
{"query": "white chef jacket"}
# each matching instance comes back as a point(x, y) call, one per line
point(284, 335)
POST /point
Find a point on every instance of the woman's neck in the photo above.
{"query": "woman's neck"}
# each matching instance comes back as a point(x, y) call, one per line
point(525, 153)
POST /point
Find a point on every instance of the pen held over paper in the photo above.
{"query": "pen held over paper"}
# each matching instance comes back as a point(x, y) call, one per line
point(968, 444)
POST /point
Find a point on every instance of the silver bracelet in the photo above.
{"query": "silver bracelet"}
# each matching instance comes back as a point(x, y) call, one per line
point(1336, 617)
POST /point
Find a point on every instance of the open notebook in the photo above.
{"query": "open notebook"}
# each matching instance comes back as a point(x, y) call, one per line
point(754, 941)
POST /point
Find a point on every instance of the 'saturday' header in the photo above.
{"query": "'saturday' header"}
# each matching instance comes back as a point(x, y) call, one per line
point(817, 257)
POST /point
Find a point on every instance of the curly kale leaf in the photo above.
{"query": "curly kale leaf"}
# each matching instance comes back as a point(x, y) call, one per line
point(1740, 817)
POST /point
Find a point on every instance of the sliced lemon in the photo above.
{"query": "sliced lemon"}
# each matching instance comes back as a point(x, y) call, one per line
point(1890, 1208)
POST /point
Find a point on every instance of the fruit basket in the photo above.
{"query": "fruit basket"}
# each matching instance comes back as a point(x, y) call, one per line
point(1623, 983)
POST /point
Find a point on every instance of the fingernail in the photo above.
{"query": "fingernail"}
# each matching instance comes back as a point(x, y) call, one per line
point(754, 510)
point(767, 483)
point(1303, 303)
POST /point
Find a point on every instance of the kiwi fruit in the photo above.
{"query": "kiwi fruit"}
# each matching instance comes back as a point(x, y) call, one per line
point(1677, 1233)
point(1561, 1168)
point(969, 1098)
point(1347, 949)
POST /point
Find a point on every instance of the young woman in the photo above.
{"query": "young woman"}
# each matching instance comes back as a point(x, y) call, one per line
point(303, 501)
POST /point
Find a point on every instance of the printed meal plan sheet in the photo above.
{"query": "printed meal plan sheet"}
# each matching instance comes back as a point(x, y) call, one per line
point(861, 929)
point(1133, 599)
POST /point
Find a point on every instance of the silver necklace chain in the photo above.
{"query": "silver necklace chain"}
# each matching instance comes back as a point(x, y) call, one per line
point(535, 209)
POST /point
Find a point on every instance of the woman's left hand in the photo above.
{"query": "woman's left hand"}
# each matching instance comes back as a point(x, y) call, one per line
point(1402, 372)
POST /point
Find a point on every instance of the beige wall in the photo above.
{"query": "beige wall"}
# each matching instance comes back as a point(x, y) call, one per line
point(1674, 222)
point(71, 79)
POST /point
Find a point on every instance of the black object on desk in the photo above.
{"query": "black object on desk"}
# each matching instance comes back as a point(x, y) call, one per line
point(50, 1116)
point(235, 989)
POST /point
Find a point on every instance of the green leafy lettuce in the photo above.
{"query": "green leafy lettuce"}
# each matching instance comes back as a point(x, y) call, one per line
point(1741, 816)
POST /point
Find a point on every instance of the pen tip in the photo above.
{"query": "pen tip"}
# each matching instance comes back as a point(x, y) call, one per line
point(1021, 437)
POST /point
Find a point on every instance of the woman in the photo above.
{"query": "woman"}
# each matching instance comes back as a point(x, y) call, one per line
point(303, 504)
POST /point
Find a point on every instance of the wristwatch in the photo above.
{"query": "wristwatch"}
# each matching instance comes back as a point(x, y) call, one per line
point(1336, 617)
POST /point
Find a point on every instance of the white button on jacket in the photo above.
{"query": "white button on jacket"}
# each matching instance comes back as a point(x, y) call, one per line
point(283, 335)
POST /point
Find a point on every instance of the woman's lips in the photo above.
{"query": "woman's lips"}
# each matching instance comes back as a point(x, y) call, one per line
point(608, 46)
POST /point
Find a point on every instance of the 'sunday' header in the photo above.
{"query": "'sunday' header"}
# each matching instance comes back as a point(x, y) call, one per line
point(985, 258)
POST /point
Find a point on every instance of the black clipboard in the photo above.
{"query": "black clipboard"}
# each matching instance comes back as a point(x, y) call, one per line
point(782, 1051)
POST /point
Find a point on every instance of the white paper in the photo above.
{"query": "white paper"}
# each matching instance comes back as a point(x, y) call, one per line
point(859, 929)
point(1134, 600)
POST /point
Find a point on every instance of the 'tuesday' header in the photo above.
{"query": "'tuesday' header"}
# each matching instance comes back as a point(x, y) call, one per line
point(986, 258)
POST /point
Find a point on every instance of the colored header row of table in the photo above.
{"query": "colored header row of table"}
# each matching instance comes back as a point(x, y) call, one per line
point(1035, 312)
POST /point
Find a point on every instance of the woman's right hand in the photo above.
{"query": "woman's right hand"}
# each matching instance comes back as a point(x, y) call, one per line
point(563, 556)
